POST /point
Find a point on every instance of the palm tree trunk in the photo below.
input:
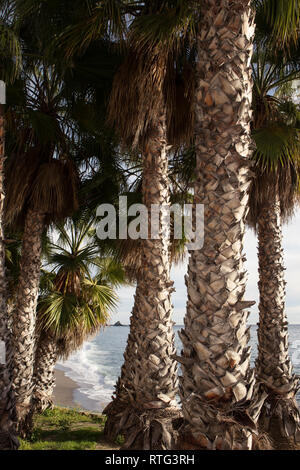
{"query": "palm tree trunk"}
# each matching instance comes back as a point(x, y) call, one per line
point(25, 318)
point(43, 377)
point(8, 439)
point(273, 365)
point(124, 385)
point(144, 408)
point(217, 383)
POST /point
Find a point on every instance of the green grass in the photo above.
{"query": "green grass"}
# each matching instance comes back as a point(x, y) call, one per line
point(68, 429)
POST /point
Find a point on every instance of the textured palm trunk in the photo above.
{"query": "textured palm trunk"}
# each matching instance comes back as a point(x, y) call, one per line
point(43, 377)
point(8, 439)
point(125, 381)
point(273, 365)
point(144, 409)
point(217, 382)
point(25, 318)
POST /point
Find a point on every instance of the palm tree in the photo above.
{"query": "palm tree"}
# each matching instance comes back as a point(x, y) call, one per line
point(73, 304)
point(144, 408)
point(76, 39)
point(7, 405)
point(39, 166)
point(217, 383)
point(149, 376)
point(10, 55)
point(53, 108)
point(216, 275)
point(273, 196)
point(220, 403)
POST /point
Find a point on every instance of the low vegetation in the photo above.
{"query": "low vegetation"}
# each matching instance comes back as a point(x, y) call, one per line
point(68, 429)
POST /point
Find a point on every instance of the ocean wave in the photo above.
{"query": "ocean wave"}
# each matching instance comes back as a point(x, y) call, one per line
point(95, 380)
point(96, 367)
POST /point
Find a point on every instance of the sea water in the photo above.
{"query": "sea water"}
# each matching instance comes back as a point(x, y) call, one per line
point(96, 367)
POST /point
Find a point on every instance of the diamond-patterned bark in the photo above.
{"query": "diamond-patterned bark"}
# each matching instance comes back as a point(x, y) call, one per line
point(8, 438)
point(43, 377)
point(147, 386)
point(24, 317)
point(273, 365)
point(217, 383)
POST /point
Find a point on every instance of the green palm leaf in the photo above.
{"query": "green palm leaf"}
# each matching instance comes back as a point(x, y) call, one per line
point(59, 312)
point(276, 145)
point(106, 18)
point(281, 19)
point(110, 272)
point(10, 52)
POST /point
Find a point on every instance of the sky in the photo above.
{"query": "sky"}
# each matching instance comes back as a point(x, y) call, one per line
point(291, 245)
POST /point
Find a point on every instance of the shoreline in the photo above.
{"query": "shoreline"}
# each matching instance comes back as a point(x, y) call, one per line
point(63, 394)
point(67, 394)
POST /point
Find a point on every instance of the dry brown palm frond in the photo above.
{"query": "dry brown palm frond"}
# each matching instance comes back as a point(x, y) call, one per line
point(284, 179)
point(50, 188)
point(136, 98)
point(20, 174)
point(179, 88)
point(178, 251)
point(148, 82)
point(130, 253)
point(54, 190)
point(69, 342)
point(73, 340)
point(68, 281)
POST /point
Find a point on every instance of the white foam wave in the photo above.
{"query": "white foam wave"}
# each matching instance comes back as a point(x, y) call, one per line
point(95, 380)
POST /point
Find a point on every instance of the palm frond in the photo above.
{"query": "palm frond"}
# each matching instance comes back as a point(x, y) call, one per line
point(280, 19)
point(137, 95)
point(18, 188)
point(102, 299)
point(285, 180)
point(46, 281)
point(276, 146)
point(106, 19)
point(59, 312)
point(277, 169)
point(10, 52)
point(156, 75)
point(49, 194)
point(110, 272)
point(166, 26)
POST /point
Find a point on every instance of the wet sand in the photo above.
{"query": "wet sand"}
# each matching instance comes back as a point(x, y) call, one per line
point(63, 391)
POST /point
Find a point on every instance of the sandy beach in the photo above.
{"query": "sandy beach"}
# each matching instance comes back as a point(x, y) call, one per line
point(63, 391)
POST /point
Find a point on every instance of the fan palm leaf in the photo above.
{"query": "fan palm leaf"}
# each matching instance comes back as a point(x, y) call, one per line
point(275, 133)
point(10, 48)
point(280, 21)
point(104, 18)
